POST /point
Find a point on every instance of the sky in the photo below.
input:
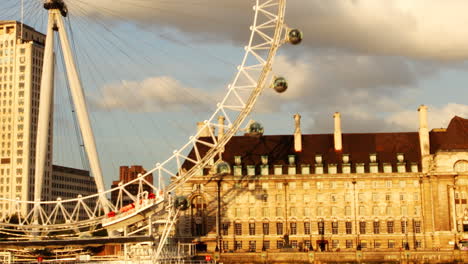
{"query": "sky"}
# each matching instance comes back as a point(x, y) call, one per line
point(153, 68)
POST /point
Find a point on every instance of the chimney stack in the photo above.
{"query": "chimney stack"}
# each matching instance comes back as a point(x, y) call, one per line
point(423, 131)
point(205, 132)
point(338, 136)
point(297, 134)
point(221, 127)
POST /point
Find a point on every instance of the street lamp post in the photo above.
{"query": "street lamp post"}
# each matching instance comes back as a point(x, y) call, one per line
point(358, 242)
point(218, 216)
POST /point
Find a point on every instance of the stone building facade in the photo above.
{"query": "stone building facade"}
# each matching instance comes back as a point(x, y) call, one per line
point(21, 52)
point(337, 191)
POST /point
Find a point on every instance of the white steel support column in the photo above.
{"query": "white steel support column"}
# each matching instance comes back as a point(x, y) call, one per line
point(81, 111)
point(45, 105)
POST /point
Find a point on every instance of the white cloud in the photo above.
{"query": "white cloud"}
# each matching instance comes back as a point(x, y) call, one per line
point(438, 117)
point(417, 28)
point(151, 95)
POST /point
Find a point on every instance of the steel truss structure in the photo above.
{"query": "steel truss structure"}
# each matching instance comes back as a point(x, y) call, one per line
point(61, 218)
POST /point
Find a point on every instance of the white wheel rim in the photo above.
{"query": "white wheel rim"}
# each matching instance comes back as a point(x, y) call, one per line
point(268, 33)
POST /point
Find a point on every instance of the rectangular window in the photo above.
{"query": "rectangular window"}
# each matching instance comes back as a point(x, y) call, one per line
point(390, 227)
point(347, 210)
point(334, 228)
point(362, 227)
point(388, 197)
point(335, 243)
point(349, 243)
point(376, 227)
point(266, 228)
point(237, 245)
point(349, 228)
point(363, 243)
point(238, 229)
point(391, 243)
point(279, 228)
point(388, 184)
point(418, 244)
point(266, 244)
point(252, 229)
point(252, 246)
point(306, 228)
point(225, 245)
point(377, 244)
point(417, 226)
point(404, 227)
point(279, 211)
point(321, 228)
point(265, 212)
point(225, 229)
point(293, 227)
point(307, 244)
point(279, 244)
point(306, 185)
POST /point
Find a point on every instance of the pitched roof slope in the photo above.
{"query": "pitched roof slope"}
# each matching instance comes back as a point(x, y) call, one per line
point(454, 138)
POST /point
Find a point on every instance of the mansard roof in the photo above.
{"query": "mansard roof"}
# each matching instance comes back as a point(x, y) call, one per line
point(358, 146)
point(454, 138)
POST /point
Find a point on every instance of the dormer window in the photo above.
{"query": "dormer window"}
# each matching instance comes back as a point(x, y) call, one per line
point(251, 170)
point(318, 169)
point(264, 159)
point(318, 159)
point(373, 158)
point(387, 167)
point(264, 169)
point(292, 159)
point(400, 157)
point(401, 167)
point(237, 170)
point(237, 160)
point(278, 169)
point(346, 168)
point(359, 167)
point(345, 158)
